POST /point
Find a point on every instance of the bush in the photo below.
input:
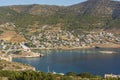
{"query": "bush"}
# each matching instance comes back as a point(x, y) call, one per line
point(86, 75)
point(1, 31)
point(71, 74)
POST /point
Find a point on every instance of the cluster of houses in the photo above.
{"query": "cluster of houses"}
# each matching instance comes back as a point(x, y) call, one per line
point(9, 26)
point(101, 37)
point(65, 39)
point(7, 46)
point(59, 39)
point(13, 49)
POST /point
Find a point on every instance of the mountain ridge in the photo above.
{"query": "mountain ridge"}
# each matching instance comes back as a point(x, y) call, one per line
point(90, 14)
point(103, 7)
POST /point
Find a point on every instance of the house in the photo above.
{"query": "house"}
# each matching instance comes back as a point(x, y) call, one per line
point(111, 76)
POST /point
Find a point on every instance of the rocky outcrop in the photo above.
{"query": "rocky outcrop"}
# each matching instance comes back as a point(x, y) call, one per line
point(97, 7)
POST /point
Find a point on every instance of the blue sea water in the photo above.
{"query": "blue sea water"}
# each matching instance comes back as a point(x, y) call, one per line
point(84, 60)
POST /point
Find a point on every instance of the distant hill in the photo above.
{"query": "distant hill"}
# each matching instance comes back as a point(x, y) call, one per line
point(88, 15)
point(97, 7)
point(36, 9)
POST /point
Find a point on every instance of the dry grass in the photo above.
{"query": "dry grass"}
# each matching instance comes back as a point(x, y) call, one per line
point(5, 65)
point(108, 45)
point(12, 36)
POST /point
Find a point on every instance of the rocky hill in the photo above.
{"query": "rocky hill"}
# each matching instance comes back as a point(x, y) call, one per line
point(36, 9)
point(94, 7)
point(91, 14)
point(98, 7)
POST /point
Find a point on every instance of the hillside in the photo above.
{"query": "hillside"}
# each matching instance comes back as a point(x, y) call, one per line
point(97, 7)
point(50, 24)
point(8, 32)
point(92, 14)
point(13, 66)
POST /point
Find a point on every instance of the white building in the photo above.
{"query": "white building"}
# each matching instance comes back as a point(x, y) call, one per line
point(111, 76)
point(25, 48)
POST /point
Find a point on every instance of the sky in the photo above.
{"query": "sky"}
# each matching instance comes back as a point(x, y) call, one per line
point(48, 2)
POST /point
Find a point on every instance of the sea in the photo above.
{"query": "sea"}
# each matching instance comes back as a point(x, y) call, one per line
point(83, 60)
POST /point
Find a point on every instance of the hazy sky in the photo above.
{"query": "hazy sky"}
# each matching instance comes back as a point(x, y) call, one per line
point(48, 2)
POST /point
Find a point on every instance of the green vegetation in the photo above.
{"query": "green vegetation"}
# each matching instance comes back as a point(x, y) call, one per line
point(17, 52)
point(84, 16)
point(29, 44)
point(71, 74)
point(35, 75)
point(69, 21)
point(86, 75)
point(115, 23)
point(1, 31)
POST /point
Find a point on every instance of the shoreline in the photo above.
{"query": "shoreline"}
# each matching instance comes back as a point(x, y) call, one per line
point(77, 48)
point(91, 46)
point(26, 54)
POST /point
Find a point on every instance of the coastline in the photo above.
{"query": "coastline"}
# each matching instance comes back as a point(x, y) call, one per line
point(15, 66)
point(70, 56)
point(27, 55)
point(65, 48)
point(78, 48)
point(108, 45)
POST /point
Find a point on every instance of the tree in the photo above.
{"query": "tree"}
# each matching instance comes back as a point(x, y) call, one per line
point(86, 75)
point(71, 74)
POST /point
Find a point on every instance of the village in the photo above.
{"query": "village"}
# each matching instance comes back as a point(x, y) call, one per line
point(57, 40)
point(67, 40)
point(49, 37)
point(60, 40)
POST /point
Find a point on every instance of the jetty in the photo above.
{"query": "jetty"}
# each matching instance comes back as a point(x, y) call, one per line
point(25, 54)
point(107, 52)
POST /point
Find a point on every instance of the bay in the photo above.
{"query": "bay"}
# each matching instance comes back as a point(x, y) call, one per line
point(84, 60)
